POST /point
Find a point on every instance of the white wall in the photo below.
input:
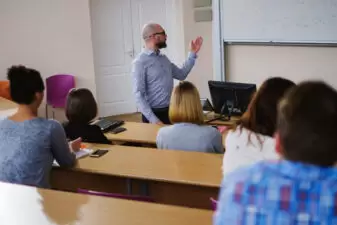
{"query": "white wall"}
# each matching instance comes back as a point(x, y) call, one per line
point(52, 36)
point(256, 63)
point(203, 70)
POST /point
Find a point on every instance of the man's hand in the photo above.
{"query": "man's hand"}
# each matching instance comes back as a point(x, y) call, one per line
point(160, 123)
point(196, 45)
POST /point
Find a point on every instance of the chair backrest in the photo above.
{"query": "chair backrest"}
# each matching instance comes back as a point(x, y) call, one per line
point(58, 87)
point(115, 195)
point(4, 89)
point(214, 203)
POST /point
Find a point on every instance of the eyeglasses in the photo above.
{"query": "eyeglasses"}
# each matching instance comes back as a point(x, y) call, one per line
point(159, 33)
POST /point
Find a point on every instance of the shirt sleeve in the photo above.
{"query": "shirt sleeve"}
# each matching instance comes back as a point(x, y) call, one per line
point(226, 211)
point(138, 73)
point(60, 147)
point(181, 73)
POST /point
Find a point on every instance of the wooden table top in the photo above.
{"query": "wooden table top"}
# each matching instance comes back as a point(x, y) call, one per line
point(143, 133)
point(7, 107)
point(203, 169)
point(21, 205)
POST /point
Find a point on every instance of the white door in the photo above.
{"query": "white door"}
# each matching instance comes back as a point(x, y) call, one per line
point(112, 39)
point(145, 11)
point(116, 34)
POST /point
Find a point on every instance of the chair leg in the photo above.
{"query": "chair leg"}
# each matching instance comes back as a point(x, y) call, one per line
point(46, 111)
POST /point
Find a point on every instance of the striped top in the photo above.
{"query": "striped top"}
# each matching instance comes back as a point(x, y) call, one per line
point(153, 75)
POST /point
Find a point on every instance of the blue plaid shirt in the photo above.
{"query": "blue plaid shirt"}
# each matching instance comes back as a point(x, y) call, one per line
point(278, 193)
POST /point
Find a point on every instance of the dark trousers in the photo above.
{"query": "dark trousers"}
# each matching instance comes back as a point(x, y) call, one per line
point(162, 114)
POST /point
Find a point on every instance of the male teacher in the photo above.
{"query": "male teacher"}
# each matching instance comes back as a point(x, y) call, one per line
point(153, 74)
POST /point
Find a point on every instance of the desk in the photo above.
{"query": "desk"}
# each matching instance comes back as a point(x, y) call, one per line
point(23, 205)
point(7, 107)
point(173, 177)
point(211, 115)
point(140, 133)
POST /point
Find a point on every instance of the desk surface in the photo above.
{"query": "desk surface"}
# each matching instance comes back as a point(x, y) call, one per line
point(203, 169)
point(23, 205)
point(143, 133)
point(7, 107)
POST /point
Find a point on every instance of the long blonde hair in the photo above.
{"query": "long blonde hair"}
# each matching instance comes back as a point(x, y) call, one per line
point(185, 106)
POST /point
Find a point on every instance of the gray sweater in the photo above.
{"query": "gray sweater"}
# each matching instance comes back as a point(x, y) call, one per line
point(28, 149)
point(190, 137)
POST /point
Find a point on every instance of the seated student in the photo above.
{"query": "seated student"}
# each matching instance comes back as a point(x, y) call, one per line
point(30, 144)
point(301, 188)
point(252, 139)
point(81, 109)
point(188, 132)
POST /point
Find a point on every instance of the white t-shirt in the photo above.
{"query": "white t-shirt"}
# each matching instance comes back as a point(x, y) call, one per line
point(241, 151)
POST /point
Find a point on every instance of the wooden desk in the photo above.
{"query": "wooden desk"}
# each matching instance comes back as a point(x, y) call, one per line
point(21, 205)
point(7, 107)
point(140, 133)
point(211, 115)
point(173, 177)
point(143, 133)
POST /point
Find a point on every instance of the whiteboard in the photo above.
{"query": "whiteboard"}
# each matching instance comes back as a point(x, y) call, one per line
point(280, 21)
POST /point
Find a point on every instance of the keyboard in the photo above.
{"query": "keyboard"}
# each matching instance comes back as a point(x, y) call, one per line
point(107, 125)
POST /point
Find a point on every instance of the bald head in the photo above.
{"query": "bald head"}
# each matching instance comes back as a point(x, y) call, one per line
point(150, 29)
point(154, 36)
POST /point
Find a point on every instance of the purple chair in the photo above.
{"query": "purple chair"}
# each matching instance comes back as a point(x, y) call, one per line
point(58, 87)
point(214, 203)
point(114, 195)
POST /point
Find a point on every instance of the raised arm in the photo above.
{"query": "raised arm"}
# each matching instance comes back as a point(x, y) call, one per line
point(139, 80)
point(181, 73)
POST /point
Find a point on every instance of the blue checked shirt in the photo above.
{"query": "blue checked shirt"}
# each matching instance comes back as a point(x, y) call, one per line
point(153, 75)
point(278, 193)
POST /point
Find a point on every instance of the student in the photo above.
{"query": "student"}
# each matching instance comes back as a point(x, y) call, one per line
point(301, 188)
point(81, 110)
point(252, 139)
point(188, 132)
point(30, 144)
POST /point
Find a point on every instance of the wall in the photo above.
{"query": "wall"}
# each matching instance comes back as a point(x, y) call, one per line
point(203, 70)
point(256, 63)
point(53, 36)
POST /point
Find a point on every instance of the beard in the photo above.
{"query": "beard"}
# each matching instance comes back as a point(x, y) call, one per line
point(161, 45)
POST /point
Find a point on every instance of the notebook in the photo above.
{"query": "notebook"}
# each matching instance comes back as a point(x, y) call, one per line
point(80, 154)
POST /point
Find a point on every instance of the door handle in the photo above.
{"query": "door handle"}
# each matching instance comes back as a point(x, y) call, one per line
point(131, 53)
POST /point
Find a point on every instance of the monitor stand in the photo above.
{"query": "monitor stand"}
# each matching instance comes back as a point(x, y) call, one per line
point(222, 116)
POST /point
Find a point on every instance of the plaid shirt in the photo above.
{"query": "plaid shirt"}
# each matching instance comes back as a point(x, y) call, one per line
point(275, 193)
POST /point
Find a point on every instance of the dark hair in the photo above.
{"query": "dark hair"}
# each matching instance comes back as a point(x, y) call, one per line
point(307, 124)
point(261, 115)
point(24, 84)
point(81, 106)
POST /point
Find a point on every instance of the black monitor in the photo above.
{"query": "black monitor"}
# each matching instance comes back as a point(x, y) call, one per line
point(230, 98)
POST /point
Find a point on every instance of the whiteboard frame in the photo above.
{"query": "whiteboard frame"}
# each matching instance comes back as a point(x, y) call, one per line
point(274, 43)
point(219, 61)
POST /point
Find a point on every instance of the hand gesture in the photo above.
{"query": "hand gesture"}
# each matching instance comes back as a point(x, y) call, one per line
point(196, 45)
point(75, 145)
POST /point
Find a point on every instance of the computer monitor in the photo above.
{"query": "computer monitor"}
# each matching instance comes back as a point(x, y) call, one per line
point(230, 98)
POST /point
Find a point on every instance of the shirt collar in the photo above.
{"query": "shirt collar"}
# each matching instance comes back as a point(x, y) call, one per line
point(297, 170)
point(151, 52)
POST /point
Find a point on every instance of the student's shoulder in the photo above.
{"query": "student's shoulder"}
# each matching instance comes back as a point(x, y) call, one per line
point(251, 174)
point(166, 130)
point(52, 124)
